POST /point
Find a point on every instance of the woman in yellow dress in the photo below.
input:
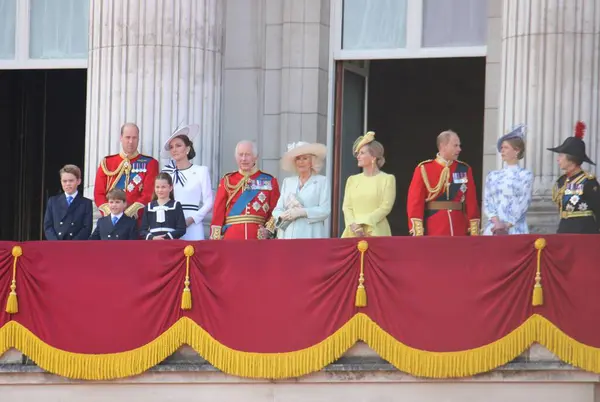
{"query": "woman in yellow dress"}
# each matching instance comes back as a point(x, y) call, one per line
point(370, 195)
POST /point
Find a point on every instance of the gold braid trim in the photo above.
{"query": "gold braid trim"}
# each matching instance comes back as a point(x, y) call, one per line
point(233, 190)
point(439, 187)
point(110, 184)
point(420, 363)
point(133, 210)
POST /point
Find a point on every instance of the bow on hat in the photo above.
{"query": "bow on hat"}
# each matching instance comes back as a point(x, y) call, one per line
point(518, 131)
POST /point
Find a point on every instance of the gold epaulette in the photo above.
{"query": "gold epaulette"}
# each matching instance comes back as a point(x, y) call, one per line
point(590, 176)
point(228, 174)
point(424, 162)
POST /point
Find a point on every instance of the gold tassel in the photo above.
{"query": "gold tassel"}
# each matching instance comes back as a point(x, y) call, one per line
point(12, 304)
point(361, 292)
point(538, 292)
point(186, 297)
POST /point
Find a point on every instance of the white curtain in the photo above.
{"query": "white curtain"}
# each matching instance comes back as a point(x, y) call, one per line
point(451, 23)
point(8, 18)
point(374, 24)
point(59, 29)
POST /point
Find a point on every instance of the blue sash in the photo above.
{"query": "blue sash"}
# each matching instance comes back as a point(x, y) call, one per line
point(247, 195)
point(461, 169)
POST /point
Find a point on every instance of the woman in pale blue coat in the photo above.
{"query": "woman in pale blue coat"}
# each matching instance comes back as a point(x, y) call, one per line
point(508, 191)
point(304, 204)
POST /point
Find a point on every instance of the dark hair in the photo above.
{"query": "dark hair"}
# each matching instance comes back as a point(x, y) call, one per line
point(116, 194)
point(187, 143)
point(517, 143)
point(167, 177)
point(574, 159)
point(72, 169)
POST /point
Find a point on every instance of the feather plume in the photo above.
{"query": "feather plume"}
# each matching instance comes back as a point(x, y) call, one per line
point(580, 130)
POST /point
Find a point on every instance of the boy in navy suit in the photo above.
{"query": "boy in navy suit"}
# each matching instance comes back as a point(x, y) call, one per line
point(68, 215)
point(116, 225)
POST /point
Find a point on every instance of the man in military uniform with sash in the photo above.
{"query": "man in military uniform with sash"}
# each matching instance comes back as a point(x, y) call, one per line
point(441, 198)
point(245, 200)
point(577, 193)
point(129, 171)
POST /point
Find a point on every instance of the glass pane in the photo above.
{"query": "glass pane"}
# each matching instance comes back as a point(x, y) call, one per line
point(452, 23)
point(374, 24)
point(8, 18)
point(59, 29)
point(353, 111)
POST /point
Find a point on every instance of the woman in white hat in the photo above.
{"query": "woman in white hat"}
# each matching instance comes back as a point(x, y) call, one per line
point(304, 203)
point(370, 195)
point(191, 183)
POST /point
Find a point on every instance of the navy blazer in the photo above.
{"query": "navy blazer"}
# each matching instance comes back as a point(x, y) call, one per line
point(125, 229)
point(68, 222)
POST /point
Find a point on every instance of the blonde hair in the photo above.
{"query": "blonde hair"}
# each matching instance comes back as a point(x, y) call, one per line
point(376, 150)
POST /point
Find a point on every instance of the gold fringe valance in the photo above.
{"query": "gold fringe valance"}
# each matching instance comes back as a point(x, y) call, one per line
point(419, 363)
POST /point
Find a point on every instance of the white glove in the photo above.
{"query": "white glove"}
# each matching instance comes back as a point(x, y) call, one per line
point(293, 214)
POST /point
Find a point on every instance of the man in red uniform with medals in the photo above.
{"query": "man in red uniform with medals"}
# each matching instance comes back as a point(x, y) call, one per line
point(129, 171)
point(245, 200)
point(441, 197)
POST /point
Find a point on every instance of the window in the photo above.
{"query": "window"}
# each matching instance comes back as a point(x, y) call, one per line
point(454, 23)
point(59, 29)
point(374, 24)
point(8, 20)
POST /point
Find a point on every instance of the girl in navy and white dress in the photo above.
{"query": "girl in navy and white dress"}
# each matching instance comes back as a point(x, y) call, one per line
point(163, 218)
point(191, 183)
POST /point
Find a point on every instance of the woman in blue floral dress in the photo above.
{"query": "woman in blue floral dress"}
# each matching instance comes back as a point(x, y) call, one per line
point(507, 193)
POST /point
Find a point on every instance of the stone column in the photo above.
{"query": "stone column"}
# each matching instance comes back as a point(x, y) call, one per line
point(550, 79)
point(156, 63)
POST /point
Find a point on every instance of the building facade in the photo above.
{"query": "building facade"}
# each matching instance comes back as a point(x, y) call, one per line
point(278, 71)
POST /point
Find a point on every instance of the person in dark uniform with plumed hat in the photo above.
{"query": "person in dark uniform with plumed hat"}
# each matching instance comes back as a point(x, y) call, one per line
point(577, 193)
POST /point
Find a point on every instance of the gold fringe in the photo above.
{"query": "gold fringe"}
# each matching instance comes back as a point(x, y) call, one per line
point(361, 292)
point(538, 292)
point(12, 304)
point(186, 297)
point(416, 362)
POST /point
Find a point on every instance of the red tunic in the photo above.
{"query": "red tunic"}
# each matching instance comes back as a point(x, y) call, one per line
point(243, 205)
point(135, 176)
point(454, 211)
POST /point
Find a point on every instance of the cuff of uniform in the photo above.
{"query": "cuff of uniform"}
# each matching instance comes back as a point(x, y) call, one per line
point(270, 225)
point(133, 209)
point(474, 227)
point(215, 232)
point(417, 227)
point(104, 209)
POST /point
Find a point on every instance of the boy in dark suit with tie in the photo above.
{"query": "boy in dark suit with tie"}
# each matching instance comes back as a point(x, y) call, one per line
point(68, 215)
point(116, 225)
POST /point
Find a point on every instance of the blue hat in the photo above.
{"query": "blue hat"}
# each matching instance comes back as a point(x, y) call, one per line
point(516, 132)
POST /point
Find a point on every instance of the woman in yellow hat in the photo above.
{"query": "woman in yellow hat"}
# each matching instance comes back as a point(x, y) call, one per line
point(370, 195)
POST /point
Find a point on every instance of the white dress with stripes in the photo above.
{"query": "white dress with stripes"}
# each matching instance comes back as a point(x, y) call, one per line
point(192, 188)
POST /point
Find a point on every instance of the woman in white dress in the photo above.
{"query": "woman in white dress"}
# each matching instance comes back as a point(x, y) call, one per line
point(508, 191)
point(305, 202)
point(191, 183)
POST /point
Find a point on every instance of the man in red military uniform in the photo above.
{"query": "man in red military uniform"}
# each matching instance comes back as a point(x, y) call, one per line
point(129, 171)
point(441, 198)
point(245, 200)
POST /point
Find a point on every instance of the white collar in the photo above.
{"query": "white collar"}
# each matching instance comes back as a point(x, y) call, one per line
point(72, 195)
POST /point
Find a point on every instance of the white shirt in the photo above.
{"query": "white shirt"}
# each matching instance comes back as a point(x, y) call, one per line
point(71, 195)
point(116, 216)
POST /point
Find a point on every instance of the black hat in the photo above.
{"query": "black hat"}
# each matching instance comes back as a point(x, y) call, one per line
point(575, 146)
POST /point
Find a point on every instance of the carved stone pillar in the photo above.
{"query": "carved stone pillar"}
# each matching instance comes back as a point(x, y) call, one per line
point(156, 63)
point(550, 79)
